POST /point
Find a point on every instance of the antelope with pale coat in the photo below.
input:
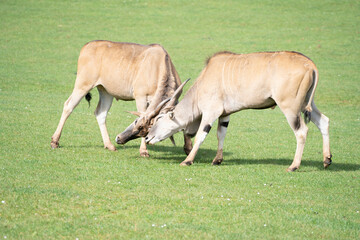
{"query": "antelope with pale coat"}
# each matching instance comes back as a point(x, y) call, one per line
point(233, 82)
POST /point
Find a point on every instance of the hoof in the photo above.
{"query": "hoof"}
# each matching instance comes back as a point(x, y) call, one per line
point(292, 169)
point(54, 144)
point(217, 161)
point(186, 163)
point(144, 154)
point(110, 147)
point(187, 150)
point(327, 161)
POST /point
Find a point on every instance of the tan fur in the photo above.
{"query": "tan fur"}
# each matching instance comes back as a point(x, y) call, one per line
point(126, 71)
point(254, 80)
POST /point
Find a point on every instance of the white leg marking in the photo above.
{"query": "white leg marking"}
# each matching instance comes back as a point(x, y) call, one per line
point(322, 122)
point(105, 102)
point(141, 104)
point(204, 128)
point(221, 133)
point(300, 129)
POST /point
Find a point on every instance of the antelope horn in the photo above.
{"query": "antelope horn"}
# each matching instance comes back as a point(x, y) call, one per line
point(134, 113)
point(173, 140)
point(169, 101)
point(158, 108)
point(177, 94)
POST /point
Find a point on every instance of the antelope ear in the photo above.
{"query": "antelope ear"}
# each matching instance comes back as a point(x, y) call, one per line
point(134, 113)
point(171, 115)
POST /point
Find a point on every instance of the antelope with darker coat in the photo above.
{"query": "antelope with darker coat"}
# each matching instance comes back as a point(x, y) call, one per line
point(124, 71)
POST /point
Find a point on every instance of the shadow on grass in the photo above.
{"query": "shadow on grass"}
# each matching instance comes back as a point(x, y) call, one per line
point(176, 154)
point(205, 156)
point(286, 162)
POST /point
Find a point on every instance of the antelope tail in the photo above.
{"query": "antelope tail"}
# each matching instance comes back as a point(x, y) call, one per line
point(88, 97)
point(310, 96)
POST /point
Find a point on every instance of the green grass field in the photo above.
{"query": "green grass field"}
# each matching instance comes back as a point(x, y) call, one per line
point(82, 191)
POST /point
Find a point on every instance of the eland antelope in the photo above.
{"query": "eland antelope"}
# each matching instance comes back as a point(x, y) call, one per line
point(124, 71)
point(233, 82)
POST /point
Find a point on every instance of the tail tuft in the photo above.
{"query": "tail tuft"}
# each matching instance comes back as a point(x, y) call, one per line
point(307, 116)
point(88, 98)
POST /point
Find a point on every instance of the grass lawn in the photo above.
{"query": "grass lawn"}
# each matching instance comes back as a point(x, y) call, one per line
point(82, 191)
